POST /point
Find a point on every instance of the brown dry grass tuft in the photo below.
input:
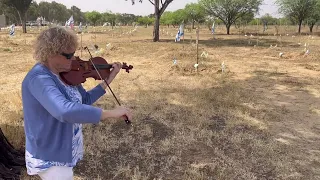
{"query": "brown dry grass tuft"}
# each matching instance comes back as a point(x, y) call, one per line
point(257, 120)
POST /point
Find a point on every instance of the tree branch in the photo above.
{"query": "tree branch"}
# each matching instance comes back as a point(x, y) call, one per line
point(164, 6)
point(151, 2)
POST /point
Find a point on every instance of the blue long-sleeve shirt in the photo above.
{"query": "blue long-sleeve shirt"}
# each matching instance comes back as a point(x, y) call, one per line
point(35, 166)
point(49, 114)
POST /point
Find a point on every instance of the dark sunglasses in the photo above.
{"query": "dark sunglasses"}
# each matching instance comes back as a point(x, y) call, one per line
point(68, 56)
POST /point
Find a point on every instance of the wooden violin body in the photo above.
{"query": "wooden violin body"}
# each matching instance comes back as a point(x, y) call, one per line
point(97, 68)
point(81, 70)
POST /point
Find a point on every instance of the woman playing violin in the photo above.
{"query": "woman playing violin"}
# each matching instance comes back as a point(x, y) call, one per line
point(55, 111)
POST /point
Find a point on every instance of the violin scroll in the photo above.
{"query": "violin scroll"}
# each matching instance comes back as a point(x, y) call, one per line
point(126, 67)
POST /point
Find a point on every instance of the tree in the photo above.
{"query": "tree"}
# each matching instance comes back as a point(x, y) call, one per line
point(10, 13)
point(118, 18)
point(174, 18)
point(248, 17)
point(314, 16)
point(210, 20)
point(145, 20)
point(166, 18)
point(127, 19)
point(194, 13)
point(59, 12)
point(230, 11)
point(22, 7)
point(298, 10)
point(93, 17)
point(78, 16)
point(33, 11)
point(54, 12)
point(179, 16)
point(109, 17)
point(269, 20)
point(44, 8)
point(158, 11)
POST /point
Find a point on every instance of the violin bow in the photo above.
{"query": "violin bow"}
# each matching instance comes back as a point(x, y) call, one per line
point(126, 120)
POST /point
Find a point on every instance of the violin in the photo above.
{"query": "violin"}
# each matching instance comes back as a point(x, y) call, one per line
point(97, 68)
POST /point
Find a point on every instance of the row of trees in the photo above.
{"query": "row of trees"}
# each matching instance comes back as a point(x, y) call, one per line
point(299, 11)
point(232, 12)
point(58, 13)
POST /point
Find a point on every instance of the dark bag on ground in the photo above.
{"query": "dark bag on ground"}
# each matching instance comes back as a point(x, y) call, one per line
point(11, 160)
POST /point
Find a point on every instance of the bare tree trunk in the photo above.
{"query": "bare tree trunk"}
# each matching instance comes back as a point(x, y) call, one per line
point(19, 17)
point(228, 28)
point(24, 20)
point(192, 24)
point(157, 21)
point(311, 27)
point(156, 29)
point(300, 24)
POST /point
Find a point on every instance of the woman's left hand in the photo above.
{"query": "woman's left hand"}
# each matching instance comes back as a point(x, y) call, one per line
point(116, 67)
point(115, 70)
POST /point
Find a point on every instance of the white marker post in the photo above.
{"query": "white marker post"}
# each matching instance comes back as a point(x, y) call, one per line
point(258, 32)
point(81, 43)
point(196, 66)
point(80, 28)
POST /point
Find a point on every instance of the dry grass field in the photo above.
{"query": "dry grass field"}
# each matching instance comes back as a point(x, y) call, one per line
point(259, 119)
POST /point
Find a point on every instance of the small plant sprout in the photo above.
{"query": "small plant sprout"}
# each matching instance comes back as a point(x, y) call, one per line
point(204, 54)
point(281, 54)
point(175, 62)
point(307, 52)
point(223, 67)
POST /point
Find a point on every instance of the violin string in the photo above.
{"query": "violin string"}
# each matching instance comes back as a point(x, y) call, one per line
point(127, 121)
point(102, 78)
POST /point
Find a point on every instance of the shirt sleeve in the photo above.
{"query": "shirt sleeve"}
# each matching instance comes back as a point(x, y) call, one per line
point(90, 97)
point(45, 90)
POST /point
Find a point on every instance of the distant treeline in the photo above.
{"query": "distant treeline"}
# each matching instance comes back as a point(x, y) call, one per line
point(58, 13)
point(205, 12)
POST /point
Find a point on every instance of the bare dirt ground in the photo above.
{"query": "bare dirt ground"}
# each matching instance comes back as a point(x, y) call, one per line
point(259, 119)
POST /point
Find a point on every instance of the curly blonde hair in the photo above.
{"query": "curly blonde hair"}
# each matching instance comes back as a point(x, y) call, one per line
point(53, 41)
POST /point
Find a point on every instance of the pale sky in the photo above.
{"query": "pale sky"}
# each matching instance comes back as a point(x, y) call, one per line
point(145, 8)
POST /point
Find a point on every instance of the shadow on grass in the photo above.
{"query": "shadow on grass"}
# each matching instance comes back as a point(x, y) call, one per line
point(222, 132)
point(212, 134)
point(222, 42)
point(12, 133)
point(15, 135)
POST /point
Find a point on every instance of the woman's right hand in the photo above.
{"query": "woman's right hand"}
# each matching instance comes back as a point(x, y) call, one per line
point(118, 112)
